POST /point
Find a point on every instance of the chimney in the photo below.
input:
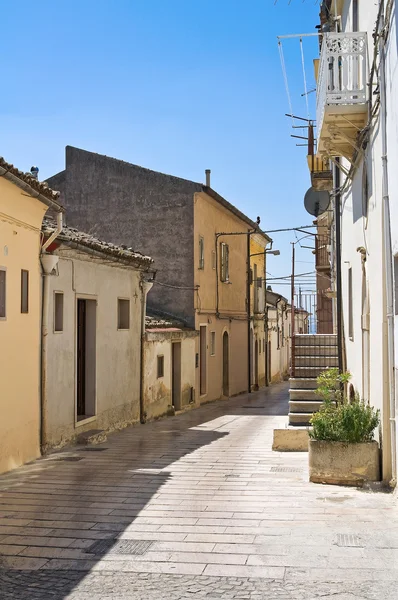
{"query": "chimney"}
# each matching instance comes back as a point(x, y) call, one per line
point(208, 177)
point(34, 171)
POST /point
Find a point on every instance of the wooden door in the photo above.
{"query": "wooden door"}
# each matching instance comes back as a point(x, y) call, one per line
point(81, 357)
point(176, 375)
point(225, 364)
point(203, 360)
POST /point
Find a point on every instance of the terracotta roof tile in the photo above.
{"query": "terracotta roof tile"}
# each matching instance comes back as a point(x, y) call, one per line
point(39, 186)
point(74, 236)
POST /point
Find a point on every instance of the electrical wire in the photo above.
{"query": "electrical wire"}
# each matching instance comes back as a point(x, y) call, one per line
point(283, 65)
point(305, 78)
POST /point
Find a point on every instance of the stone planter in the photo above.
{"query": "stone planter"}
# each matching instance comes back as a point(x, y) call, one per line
point(343, 464)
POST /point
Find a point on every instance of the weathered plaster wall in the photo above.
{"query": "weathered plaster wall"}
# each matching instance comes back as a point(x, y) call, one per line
point(117, 351)
point(20, 221)
point(363, 227)
point(127, 204)
point(157, 391)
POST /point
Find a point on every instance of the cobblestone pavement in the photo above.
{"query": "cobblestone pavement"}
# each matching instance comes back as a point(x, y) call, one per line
point(195, 506)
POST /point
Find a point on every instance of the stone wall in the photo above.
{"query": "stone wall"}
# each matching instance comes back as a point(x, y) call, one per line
point(149, 211)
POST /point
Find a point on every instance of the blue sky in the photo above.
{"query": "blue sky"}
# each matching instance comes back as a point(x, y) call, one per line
point(173, 85)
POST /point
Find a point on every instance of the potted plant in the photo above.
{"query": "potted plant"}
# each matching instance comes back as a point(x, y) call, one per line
point(342, 449)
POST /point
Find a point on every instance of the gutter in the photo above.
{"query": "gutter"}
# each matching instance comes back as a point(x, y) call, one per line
point(30, 190)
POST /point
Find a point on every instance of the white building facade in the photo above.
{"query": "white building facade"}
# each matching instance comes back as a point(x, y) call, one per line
point(357, 110)
point(93, 315)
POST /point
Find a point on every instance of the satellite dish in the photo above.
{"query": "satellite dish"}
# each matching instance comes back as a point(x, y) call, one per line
point(316, 202)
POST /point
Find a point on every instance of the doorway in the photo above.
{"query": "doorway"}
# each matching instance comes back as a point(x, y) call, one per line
point(203, 360)
point(225, 364)
point(176, 375)
point(269, 362)
point(86, 359)
point(256, 364)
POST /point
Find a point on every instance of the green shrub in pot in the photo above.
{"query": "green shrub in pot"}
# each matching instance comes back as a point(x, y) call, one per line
point(351, 422)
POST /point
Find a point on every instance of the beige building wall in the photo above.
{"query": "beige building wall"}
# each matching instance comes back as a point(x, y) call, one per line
point(158, 400)
point(117, 352)
point(20, 223)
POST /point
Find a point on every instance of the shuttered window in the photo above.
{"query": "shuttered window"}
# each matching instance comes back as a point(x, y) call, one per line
point(24, 291)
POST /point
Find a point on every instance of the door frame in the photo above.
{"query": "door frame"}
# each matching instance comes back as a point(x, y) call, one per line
point(205, 327)
point(178, 405)
point(93, 417)
point(225, 334)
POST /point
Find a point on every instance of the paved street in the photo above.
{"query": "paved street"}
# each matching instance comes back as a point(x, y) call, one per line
point(195, 506)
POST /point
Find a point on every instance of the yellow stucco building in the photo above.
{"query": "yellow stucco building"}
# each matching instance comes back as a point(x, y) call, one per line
point(223, 320)
point(23, 204)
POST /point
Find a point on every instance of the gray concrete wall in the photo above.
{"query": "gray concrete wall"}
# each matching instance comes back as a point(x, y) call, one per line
point(149, 211)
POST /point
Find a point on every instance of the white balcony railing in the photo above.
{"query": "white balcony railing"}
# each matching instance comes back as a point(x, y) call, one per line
point(342, 78)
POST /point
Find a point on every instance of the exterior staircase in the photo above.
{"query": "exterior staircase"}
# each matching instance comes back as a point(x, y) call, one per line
point(313, 353)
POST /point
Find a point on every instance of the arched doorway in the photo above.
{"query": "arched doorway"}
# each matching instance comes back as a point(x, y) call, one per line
point(225, 364)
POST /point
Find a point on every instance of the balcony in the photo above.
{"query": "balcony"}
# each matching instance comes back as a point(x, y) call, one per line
point(342, 93)
point(322, 253)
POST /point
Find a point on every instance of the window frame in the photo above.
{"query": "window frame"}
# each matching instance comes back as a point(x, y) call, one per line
point(224, 272)
point(119, 322)
point(24, 292)
point(3, 317)
point(201, 264)
point(59, 294)
point(212, 343)
point(159, 362)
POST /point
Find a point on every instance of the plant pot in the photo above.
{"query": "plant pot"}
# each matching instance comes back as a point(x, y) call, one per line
point(341, 463)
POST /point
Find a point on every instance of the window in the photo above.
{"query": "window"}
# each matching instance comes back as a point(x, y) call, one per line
point(58, 311)
point(224, 262)
point(263, 345)
point(201, 253)
point(2, 293)
point(255, 289)
point(213, 260)
point(160, 362)
point(212, 343)
point(350, 306)
point(24, 291)
point(123, 314)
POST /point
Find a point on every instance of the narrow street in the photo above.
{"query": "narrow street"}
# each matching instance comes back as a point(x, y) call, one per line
point(195, 506)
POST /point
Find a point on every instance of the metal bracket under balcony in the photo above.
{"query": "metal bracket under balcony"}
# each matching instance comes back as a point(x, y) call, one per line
point(342, 93)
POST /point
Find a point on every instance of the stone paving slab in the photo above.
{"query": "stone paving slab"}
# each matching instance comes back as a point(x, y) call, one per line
point(216, 513)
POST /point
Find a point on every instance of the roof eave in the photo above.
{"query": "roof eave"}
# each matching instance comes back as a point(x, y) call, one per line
point(213, 194)
point(50, 202)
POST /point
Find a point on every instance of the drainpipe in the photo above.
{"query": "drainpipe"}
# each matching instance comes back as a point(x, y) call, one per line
point(388, 258)
point(249, 355)
point(146, 286)
point(339, 310)
point(48, 263)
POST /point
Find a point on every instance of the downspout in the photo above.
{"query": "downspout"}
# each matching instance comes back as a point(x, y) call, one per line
point(48, 263)
point(146, 286)
point(388, 257)
point(249, 349)
point(265, 320)
point(339, 309)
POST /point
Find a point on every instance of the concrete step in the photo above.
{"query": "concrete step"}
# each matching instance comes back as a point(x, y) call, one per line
point(302, 383)
point(318, 350)
point(314, 361)
point(315, 339)
point(299, 418)
point(297, 394)
point(93, 436)
point(304, 406)
point(309, 372)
